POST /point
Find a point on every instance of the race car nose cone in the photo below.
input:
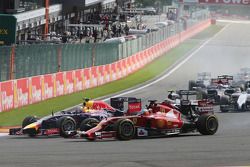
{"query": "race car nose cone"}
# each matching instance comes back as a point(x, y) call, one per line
point(31, 126)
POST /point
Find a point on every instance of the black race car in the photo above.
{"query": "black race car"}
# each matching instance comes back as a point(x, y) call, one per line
point(60, 122)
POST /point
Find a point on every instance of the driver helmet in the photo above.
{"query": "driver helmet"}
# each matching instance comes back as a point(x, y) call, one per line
point(248, 91)
point(145, 112)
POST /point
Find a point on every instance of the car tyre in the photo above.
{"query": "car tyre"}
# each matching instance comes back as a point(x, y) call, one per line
point(207, 124)
point(66, 125)
point(125, 129)
point(88, 124)
point(29, 120)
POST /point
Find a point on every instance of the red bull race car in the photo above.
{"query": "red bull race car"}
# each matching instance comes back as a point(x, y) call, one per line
point(158, 119)
point(91, 111)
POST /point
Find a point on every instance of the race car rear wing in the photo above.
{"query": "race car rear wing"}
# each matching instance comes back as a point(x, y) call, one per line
point(131, 105)
point(228, 77)
point(187, 92)
point(222, 79)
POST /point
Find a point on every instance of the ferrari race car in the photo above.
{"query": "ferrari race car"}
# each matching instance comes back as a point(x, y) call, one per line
point(58, 123)
point(160, 119)
point(237, 101)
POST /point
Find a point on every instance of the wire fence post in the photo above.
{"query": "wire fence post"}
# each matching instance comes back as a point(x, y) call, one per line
point(12, 62)
point(59, 58)
point(93, 54)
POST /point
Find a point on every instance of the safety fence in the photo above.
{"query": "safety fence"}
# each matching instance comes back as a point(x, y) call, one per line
point(19, 92)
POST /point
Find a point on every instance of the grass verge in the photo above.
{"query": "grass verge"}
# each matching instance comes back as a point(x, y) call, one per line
point(15, 117)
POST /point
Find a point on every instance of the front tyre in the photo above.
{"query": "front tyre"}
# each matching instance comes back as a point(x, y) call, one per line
point(27, 121)
point(125, 129)
point(66, 125)
point(88, 124)
point(207, 124)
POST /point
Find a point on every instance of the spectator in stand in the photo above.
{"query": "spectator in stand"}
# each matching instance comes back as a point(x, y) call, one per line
point(119, 29)
point(95, 34)
point(64, 37)
point(81, 36)
point(126, 29)
point(114, 30)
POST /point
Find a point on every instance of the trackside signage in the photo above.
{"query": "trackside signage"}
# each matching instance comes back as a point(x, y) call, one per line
point(7, 29)
point(230, 2)
point(226, 2)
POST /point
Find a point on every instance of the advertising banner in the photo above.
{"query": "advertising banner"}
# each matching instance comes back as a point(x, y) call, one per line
point(7, 29)
point(93, 75)
point(69, 82)
point(35, 89)
point(7, 95)
point(48, 86)
point(101, 70)
point(86, 78)
point(21, 92)
point(0, 98)
point(133, 61)
point(119, 69)
point(113, 71)
point(124, 67)
point(107, 72)
point(78, 81)
point(229, 2)
point(59, 84)
point(129, 64)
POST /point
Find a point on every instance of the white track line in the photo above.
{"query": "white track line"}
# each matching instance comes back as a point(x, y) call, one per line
point(234, 21)
point(3, 134)
point(172, 70)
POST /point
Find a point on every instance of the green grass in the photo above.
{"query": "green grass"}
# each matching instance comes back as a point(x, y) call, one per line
point(15, 117)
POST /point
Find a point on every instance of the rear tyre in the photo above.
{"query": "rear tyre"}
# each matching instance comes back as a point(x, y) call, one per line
point(224, 102)
point(66, 125)
point(27, 121)
point(223, 109)
point(88, 124)
point(125, 129)
point(207, 124)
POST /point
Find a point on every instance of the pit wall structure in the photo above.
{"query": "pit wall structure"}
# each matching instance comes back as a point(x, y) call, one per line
point(30, 90)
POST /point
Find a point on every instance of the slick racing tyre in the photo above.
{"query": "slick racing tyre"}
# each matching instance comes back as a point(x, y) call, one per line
point(27, 121)
point(125, 129)
point(207, 124)
point(224, 102)
point(66, 125)
point(88, 124)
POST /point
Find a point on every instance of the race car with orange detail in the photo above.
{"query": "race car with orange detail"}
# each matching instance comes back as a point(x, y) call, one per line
point(159, 119)
point(58, 123)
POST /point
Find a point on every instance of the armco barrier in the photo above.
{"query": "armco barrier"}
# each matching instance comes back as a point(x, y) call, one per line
point(21, 92)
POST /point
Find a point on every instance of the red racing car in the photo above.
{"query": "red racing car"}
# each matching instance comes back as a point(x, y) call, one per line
point(159, 119)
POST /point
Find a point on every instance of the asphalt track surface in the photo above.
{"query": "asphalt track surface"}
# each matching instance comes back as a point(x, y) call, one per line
point(225, 53)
